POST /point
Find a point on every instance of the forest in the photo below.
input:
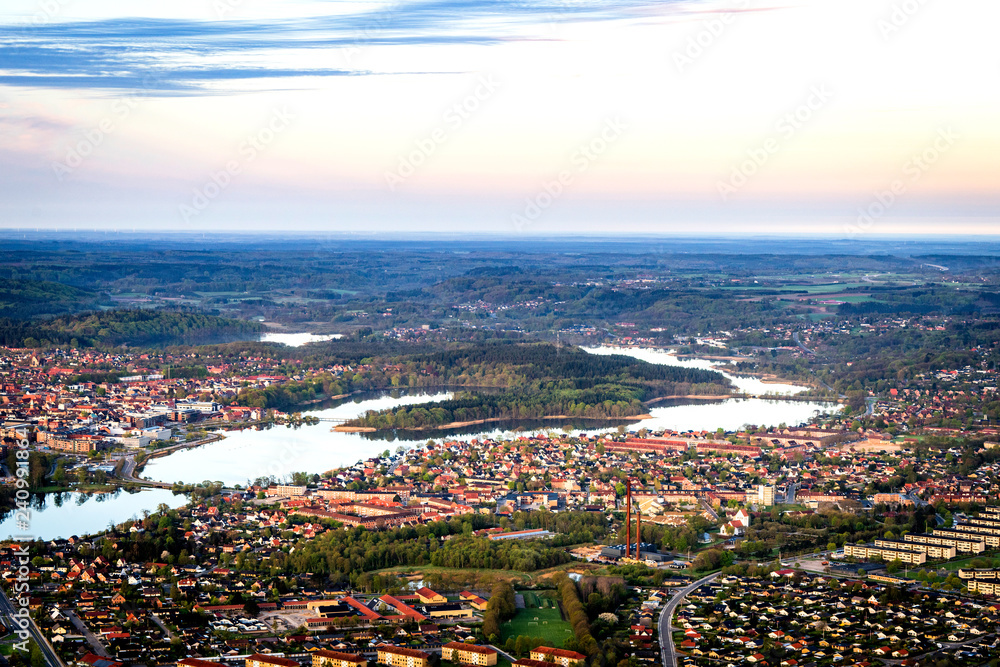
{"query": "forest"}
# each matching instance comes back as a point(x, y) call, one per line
point(350, 557)
point(138, 328)
point(540, 380)
point(22, 299)
point(344, 555)
point(677, 287)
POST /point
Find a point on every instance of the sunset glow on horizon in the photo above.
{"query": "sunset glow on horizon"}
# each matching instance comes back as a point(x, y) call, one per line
point(806, 116)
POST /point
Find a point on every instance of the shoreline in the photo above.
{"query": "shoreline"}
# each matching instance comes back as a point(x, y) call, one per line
point(708, 397)
point(766, 378)
point(314, 401)
point(487, 420)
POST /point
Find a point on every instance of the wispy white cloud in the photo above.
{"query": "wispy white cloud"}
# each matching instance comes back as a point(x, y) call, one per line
point(177, 56)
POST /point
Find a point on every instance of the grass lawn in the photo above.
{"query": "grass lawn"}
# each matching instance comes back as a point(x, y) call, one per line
point(51, 489)
point(533, 600)
point(950, 566)
point(816, 288)
point(544, 622)
point(954, 565)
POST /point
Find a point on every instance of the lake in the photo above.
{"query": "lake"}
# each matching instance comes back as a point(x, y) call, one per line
point(745, 383)
point(64, 514)
point(281, 450)
point(730, 413)
point(297, 339)
point(245, 455)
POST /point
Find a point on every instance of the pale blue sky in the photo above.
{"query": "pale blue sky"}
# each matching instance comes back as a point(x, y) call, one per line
point(827, 116)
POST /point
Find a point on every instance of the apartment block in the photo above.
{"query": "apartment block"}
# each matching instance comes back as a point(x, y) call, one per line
point(468, 654)
point(397, 656)
point(866, 552)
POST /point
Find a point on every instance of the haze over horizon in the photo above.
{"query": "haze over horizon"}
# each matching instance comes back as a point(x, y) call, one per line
point(847, 118)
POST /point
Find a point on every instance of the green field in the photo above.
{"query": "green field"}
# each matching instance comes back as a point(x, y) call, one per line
point(821, 288)
point(955, 565)
point(540, 618)
point(533, 600)
point(852, 298)
point(951, 565)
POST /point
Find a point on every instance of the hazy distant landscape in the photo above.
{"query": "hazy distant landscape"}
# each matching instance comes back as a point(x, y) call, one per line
point(491, 333)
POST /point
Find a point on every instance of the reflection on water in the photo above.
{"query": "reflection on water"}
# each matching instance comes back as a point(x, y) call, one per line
point(70, 513)
point(297, 339)
point(745, 383)
point(731, 414)
point(280, 451)
point(245, 455)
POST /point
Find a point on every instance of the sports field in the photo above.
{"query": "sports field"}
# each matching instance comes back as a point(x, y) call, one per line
point(540, 618)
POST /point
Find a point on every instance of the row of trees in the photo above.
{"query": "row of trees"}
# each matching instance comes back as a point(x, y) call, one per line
point(576, 614)
point(501, 608)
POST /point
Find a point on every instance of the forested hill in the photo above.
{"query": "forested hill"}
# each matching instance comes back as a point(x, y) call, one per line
point(543, 361)
point(28, 298)
point(130, 327)
point(539, 380)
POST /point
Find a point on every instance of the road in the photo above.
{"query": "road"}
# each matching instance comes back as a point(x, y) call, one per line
point(912, 495)
point(7, 612)
point(795, 337)
point(159, 622)
point(503, 654)
point(92, 639)
point(128, 475)
point(828, 387)
point(870, 401)
point(666, 628)
point(708, 508)
point(128, 469)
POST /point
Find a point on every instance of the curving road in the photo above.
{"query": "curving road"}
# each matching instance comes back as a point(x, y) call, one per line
point(795, 337)
point(667, 650)
point(870, 401)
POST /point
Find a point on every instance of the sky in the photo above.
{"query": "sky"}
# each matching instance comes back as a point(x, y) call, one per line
point(508, 117)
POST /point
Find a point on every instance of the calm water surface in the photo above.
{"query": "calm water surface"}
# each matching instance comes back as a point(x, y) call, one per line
point(297, 339)
point(280, 450)
point(245, 455)
point(65, 514)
